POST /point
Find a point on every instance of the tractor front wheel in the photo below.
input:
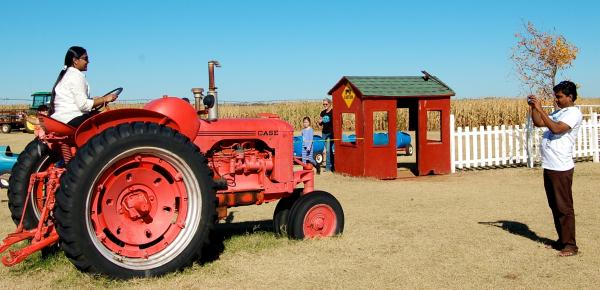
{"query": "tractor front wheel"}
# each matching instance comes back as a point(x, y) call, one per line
point(282, 211)
point(315, 215)
point(137, 200)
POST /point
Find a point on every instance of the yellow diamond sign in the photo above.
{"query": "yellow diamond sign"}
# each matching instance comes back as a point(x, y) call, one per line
point(348, 95)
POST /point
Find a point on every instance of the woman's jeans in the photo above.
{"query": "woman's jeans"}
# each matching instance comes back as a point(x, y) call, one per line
point(328, 139)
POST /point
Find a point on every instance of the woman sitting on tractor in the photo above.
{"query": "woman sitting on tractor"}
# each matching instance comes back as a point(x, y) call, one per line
point(70, 102)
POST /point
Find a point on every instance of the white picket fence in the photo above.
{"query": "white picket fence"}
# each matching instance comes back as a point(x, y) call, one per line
point(500, 146)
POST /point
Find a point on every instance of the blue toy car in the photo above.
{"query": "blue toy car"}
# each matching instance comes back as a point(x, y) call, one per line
point(7, 160)
point(402, 141)
point(318, 148)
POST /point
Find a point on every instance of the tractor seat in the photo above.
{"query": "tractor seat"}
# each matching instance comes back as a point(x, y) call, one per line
point(51, 125)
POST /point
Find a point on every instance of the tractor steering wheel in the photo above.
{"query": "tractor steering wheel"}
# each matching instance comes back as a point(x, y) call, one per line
point(116, 91)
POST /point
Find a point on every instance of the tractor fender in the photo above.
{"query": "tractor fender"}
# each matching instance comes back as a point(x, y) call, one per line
point(98, 123)
point(178, 110)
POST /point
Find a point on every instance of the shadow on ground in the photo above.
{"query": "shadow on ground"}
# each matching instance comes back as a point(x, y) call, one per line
point(211, 252)
point(519, 229)
point(225, 231)
point(410, 166)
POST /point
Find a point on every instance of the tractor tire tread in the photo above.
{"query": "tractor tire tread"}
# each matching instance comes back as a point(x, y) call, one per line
point(281, 212)
point(19, 182)
point(85, 158)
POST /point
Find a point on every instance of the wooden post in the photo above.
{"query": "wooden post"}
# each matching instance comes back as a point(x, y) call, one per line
point(467, 147)
point(496, 146)
point(482, 146)
point(529, 140)
point(452, 145)
point(459, 153)
point(594, 137)
point(476, 157)
point(503, 145)
point(518, 144)
point(580, 145)
point(511, 148)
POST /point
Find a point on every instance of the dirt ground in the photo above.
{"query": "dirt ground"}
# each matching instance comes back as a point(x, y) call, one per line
point(475, 229)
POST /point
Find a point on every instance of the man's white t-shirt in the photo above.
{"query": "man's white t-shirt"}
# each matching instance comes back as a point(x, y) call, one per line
point(72, 96)
point(557, 149)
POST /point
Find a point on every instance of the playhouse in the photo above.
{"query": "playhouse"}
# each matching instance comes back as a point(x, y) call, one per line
point(367, 106)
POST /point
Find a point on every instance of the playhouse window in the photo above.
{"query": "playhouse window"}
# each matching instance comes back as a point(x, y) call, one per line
point(434, 125)
point(348, 128)
point(380, 128)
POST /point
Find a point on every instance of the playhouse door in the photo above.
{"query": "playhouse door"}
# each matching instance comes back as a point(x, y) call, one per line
point(433, 148)
point(380, 140)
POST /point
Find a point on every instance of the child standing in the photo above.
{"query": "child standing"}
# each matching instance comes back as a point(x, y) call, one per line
point(307, 144)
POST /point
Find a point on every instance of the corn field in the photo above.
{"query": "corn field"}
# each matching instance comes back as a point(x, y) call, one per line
point(467, 112)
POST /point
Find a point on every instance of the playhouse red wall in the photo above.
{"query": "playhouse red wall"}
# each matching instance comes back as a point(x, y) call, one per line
point(348, 157)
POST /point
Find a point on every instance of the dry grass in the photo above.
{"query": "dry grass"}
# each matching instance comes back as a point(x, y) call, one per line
point(477, 229)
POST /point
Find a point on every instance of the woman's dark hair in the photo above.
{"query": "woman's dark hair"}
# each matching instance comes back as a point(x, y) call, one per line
point(73, 52)
point(568, 88)
point(306, 119)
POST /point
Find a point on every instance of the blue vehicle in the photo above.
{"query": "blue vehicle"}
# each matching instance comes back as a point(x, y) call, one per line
point(7, 160)
point(318, 148)
point(402, 141)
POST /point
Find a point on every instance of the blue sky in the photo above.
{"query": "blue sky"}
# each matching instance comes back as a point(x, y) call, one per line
point(274, 50)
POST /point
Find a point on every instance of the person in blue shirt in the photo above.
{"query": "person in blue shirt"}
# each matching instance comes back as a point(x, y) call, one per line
point(307, 144)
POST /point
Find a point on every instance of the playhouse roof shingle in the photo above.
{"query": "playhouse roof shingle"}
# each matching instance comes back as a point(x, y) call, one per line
point(397, 86)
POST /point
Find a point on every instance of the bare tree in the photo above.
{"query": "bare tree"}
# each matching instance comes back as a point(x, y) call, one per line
point(539, 56)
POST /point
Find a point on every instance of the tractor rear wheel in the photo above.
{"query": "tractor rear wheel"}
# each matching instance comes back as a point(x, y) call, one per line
point(314, 215)
point(137, 200)
point(281, 213)
point(36, 157)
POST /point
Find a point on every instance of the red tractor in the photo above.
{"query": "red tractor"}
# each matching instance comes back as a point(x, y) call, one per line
point(136, 192)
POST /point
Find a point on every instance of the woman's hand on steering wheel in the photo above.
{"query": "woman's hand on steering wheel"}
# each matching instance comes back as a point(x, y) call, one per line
point(107, 98)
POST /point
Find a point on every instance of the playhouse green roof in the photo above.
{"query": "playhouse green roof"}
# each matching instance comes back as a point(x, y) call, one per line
point(397, 86)
point(41, 93)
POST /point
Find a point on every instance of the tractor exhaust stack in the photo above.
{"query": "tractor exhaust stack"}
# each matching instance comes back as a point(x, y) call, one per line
point(198, 96)
point(213, 113)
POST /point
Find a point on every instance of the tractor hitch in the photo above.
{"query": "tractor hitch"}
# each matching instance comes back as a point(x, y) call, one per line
point(42, 236)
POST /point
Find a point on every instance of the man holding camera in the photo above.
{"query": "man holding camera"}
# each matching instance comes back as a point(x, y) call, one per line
point(557, 160)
